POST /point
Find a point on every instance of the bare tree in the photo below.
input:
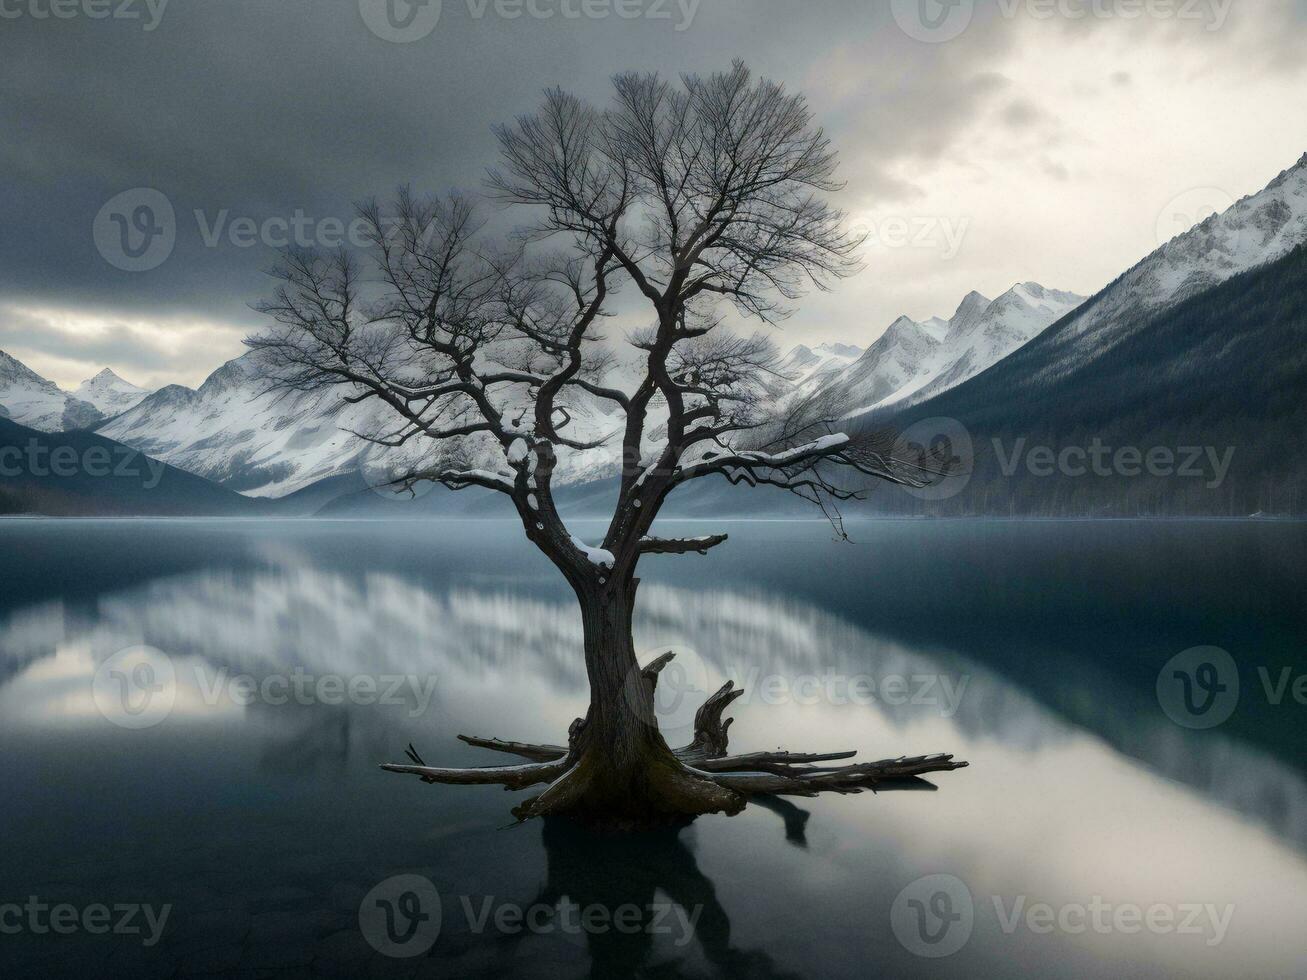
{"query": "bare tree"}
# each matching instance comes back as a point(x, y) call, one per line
point(701, 196)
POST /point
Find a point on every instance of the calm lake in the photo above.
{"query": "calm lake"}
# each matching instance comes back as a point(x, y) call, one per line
point(192, 714)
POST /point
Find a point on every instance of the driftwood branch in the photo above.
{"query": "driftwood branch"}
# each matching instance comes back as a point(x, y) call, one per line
point(809, 781)
point(510, 777)
point(527, 750)
point(705, 759)
point(710, 738)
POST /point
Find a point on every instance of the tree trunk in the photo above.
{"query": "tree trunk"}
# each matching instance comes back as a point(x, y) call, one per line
point(616, 771)
point(628, 775)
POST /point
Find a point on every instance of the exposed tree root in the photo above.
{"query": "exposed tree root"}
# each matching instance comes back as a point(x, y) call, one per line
point(672, 785)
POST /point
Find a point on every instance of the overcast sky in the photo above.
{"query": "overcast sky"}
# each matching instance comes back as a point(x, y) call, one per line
point(982, 144)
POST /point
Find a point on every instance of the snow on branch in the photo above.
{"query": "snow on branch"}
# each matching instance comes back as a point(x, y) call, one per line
point(825, 446)
point(596, 556)
point(680, 546)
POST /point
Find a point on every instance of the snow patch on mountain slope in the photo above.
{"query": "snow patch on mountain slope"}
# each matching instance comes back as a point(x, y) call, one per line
point(272, 443)
point(263, 443)
point(1258, 229)
point(979, 337)
point(803, 363)
point(110, 393)
point(34, 401)
point(915, 359)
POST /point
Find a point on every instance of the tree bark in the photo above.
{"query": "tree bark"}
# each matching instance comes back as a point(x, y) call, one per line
point(618, 773)
point(624, 774)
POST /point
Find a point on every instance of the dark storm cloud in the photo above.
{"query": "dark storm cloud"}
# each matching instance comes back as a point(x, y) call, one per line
point(290, 110)
point(245, 110)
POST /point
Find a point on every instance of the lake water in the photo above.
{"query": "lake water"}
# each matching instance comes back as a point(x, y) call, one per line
point(1108, 825)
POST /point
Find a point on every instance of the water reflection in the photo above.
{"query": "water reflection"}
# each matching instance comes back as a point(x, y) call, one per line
point(1079, 785)
point(458, 643)
point(674, 919)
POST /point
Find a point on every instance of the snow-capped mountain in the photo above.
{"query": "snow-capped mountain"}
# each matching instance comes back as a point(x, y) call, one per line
point(903, 356)
point(913, 359)
point(981, 333)
point(269, 444)
point(109, 393)
point(1256, 230)
point(262, 443)
point(230, 430)
point(1198, 345)
point(39, 403)
point(805, 362)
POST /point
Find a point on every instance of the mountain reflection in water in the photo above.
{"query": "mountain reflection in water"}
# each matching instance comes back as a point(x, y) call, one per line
point(1079, 787)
